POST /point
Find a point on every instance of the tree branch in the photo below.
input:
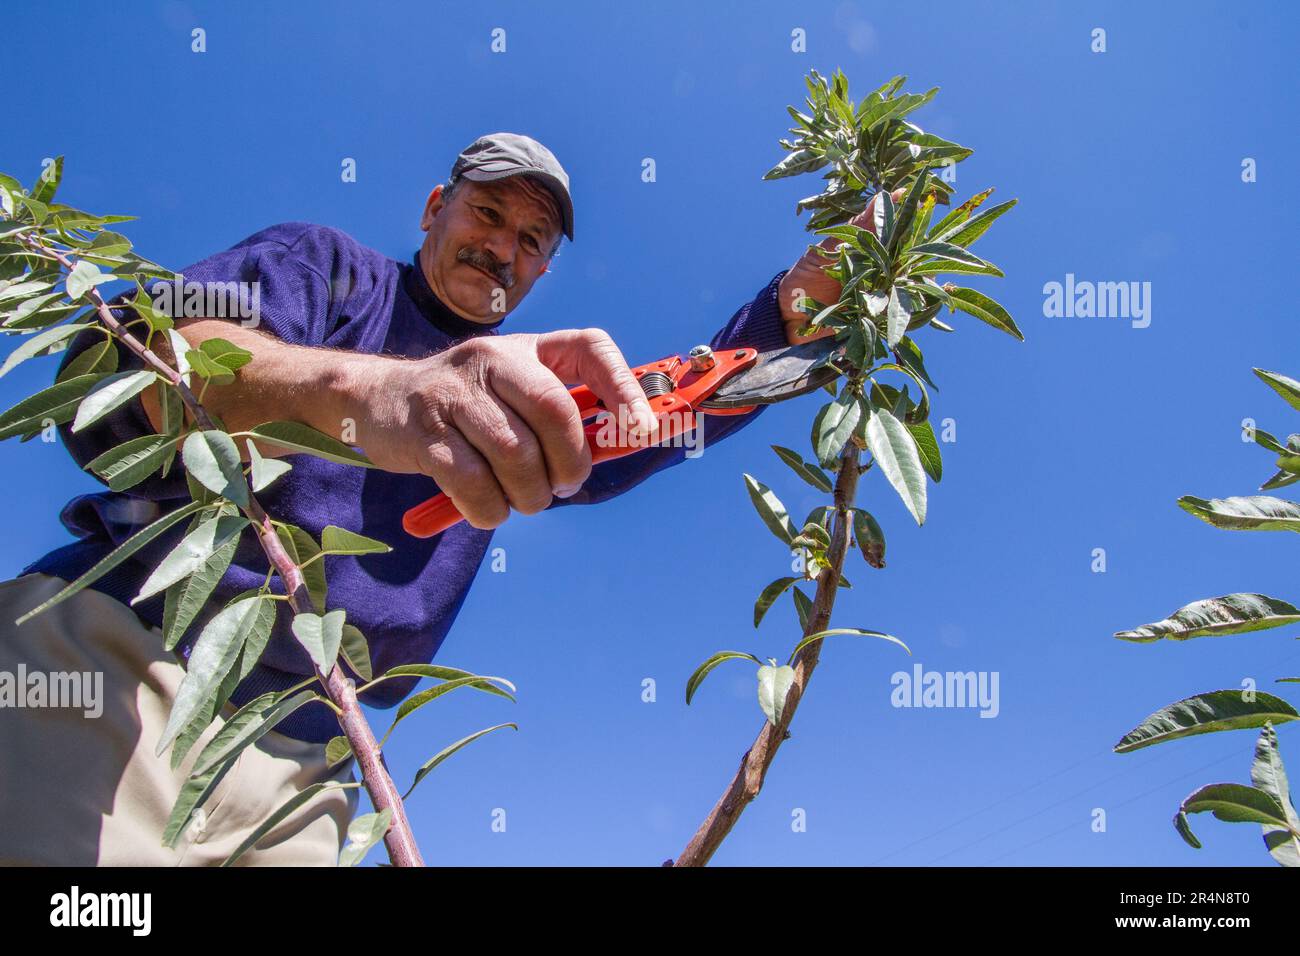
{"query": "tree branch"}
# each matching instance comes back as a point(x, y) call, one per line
point(399, 840)
point(748, 780)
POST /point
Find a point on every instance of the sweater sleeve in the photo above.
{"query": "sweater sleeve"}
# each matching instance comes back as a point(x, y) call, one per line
point(757, 324)
point(273, 281)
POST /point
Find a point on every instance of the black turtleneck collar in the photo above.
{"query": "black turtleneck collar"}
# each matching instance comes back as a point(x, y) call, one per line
point(435, 310)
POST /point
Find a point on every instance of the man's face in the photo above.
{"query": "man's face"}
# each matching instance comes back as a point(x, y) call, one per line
point(488, 244)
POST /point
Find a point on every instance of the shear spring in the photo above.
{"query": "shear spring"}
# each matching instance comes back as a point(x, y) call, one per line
point(656, 383)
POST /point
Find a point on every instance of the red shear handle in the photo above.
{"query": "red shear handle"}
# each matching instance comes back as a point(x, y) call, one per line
point(605, 436)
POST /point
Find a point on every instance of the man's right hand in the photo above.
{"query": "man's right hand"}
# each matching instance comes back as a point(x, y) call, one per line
point(491, 419)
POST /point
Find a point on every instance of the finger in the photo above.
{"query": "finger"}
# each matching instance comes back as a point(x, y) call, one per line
point(537, 396)
point(590, 356)
point(465, 477)
point(512, 450)
point(793, 338)
point(867, 218)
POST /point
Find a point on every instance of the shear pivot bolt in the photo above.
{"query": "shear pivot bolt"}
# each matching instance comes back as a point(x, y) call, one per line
point(701, 358)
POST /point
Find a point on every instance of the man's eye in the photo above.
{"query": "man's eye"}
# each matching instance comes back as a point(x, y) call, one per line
point(488, 212)
point(532, 244)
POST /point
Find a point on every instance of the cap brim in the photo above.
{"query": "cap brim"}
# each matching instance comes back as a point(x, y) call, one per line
point(553, 185)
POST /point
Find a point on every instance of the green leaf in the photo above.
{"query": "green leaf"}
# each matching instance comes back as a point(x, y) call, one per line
point(143, 306)
point(908, 354)
point(48, 182)
point(302, 548)
point(834, 424)
point(814, 537)
point(440, 672)
point(1288, 388)
point(845, 630)
point(769, 596)
point(809, 473)
point(25, 287)
point(335, 540)
point(39, 312)
point(207, 368)
point(321, 635)
point(302, 438)
point(43, 343)
point(898, 315)
point(1231, 802)
point(248, 725)
point(84, 277)
point(773, 685)
point(180, 348)
point(192, 553)
point(946, 250)
point(110, 393)
point(194, 792)
point(226, 354)
point(264, 471)
point(356, 651)
point(109, 243)
point(965, 233)
point(337, 750)
point(986, 310)
point(290, 805)
point(415, 702)
point(871, 539)
point(949, 267)
point(363, 833)
point(1213, 617)
point(446, 752)
point(99, 359)
point(58, 404)
point(803, 606)
point(1252, 513)
point(703, 671)
point(185, 599)
point(1280, 480)
point(799, 161)
point(129, 463)
point(214, 461)
point(213, 656)
point(1207, 713)
point(770, 509)
point(959, 215)
point(1269, 775)
point(927, 448)
point(115, 557)
point(894, 450)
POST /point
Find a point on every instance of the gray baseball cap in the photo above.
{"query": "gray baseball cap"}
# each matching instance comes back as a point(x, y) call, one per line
point(499, 155)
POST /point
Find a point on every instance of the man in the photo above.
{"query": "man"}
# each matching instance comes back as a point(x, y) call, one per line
point(404, 361)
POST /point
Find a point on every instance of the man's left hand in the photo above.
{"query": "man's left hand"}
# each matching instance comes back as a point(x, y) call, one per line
point(808, 277)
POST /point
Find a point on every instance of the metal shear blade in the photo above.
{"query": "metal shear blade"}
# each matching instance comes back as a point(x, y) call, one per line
point(780, 374)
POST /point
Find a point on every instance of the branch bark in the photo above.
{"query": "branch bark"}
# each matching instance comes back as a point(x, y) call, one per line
point(748, 780)
point(399, 840)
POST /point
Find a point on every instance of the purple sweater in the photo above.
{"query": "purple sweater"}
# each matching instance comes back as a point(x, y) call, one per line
point(319, 287)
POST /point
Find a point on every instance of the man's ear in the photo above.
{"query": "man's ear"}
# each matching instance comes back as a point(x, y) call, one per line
point(432, 205)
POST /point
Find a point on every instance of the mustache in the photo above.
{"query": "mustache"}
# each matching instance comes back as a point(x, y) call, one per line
point(484, 260)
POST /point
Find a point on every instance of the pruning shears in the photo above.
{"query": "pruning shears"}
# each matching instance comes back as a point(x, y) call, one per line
point(731, 381)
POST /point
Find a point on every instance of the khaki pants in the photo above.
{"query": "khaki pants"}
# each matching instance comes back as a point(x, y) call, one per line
point(78, 790)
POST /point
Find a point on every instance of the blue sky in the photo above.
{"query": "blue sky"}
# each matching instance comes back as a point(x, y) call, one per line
point(1127, 165)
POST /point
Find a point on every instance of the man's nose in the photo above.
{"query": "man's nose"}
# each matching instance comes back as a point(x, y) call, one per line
point(501, 244)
